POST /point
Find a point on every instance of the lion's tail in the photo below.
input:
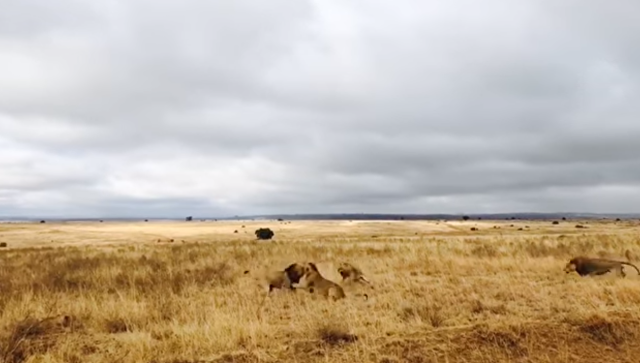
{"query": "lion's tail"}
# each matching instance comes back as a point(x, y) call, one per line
point(632, 265)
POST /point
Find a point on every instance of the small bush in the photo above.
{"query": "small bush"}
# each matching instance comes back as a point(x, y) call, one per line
point(333, 335)
point(430, 313)
point(28, 338)
point(116, 325)
point(3, 244)
point(603, 331)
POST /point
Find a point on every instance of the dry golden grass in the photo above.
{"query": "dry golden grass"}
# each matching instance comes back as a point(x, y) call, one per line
point(443, 293)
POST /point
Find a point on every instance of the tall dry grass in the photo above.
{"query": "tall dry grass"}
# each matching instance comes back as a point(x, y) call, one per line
point(110, 292)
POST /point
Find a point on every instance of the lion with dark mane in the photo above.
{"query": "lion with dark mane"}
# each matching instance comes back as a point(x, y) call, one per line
point(585, 266)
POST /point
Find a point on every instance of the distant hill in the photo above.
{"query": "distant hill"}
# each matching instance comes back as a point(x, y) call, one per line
point(475, 216)
point(358, 216)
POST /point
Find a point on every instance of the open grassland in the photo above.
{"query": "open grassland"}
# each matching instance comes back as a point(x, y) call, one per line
point(176, 292)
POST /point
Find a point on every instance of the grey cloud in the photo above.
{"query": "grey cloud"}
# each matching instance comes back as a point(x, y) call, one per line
point(116, 207)
point(159, 56)
point(33, 18)
point(295, 106)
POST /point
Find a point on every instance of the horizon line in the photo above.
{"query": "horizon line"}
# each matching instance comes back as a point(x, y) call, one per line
point(333, 215)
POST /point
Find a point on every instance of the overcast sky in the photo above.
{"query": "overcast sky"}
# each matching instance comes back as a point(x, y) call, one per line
point(213, 108)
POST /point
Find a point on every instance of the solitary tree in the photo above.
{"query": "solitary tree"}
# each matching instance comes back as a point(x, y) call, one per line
point(264, 233)
point(189, 219)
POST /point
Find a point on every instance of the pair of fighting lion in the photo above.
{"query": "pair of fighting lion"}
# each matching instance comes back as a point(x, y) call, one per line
point(306, 276)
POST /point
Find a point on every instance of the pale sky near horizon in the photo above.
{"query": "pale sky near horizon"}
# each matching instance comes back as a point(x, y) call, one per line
point(140, 108)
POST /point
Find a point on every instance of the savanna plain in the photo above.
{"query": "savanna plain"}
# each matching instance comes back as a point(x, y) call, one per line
point(176, 292)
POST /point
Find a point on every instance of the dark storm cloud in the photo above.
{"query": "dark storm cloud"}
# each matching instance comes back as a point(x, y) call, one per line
point(305, 106)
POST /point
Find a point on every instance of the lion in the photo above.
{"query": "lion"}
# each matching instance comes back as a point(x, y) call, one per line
point(314, 282)
point(280, 279)
point(596, 266)
point(351, 273)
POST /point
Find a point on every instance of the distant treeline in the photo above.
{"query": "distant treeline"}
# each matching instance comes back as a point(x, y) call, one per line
point(408, 217)
point(360, 216)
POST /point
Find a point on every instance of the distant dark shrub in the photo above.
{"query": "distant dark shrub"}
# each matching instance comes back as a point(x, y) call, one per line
point(189, 219)
point(466, 218)
point(474, 229)
point(264, 233)
point(42, 221)
point(555, 222)
point(580, 226)
point(3, 244)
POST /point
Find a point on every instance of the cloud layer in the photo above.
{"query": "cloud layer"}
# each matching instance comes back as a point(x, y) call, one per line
point(158, 109)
